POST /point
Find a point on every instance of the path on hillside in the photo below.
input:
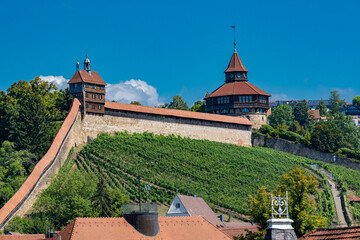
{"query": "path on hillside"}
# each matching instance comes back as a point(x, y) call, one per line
point(337, 200)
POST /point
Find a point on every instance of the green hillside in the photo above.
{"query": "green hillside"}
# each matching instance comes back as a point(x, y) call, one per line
point(224, 174)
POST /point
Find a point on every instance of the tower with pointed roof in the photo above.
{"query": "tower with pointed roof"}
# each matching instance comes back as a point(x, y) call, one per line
point(89, 88)
point(237, 96)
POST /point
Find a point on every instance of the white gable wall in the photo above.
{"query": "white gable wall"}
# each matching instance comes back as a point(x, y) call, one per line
point(177, 209)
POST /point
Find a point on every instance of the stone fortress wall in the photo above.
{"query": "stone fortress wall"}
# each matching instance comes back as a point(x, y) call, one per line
point(77, 128)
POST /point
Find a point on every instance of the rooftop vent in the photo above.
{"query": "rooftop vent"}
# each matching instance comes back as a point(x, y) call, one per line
point(143, 217)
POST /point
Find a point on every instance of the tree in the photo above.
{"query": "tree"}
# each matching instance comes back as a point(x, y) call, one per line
point(101, 199)
point(299, 184)
point(199, 106)
point(327, 137)
point(335, 102)
point(302, 209)
point(136, 103)
point(301, 113)
point(350, 132)
point(176, 103)
point(356, 101)
point(322, 108)
point(281, 115)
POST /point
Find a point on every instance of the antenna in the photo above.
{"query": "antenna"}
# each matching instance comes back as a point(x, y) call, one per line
point(233, 27)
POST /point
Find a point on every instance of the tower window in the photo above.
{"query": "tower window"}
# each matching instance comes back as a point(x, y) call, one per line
point(100, 96)
point(87, 105)
point(245, 110)
point(75, 85)
point(94, 95)
point(86, 85)
point(99, 107)
point(223, 100)
point(93, 86)
point(93, 106)
point(87, 95)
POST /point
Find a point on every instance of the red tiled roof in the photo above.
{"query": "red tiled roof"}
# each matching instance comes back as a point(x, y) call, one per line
point(355, 199)
point(236, 231)
point(23, 237)
point(237, 88)
point(314, 113)
point(171, 228)
point(177, 113)
point(198, 207)
point(83, 76)
point(333, 234)
point(34, 176)
point(235, 64)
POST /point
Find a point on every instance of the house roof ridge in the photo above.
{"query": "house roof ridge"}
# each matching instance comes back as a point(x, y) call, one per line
point(218, 228)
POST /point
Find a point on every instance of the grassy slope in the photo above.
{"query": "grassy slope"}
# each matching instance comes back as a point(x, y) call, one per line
point(225, 174)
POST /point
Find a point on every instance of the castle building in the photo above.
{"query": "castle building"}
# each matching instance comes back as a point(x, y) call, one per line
point(238, 97)
point(89, 88)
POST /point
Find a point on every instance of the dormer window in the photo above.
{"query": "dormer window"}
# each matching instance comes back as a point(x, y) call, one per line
point(177, 205)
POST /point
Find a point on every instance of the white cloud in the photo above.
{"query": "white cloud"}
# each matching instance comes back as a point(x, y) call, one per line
point(59, 81)
point(279, 97)
point(346, 93)
point(133, 90)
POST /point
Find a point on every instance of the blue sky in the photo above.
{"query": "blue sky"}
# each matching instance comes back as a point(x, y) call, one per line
point(153, 50)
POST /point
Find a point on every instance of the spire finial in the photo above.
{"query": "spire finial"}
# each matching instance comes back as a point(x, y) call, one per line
point(234, 38)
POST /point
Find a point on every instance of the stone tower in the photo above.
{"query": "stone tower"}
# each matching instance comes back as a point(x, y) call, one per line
point(89, 88)
point(238, 97)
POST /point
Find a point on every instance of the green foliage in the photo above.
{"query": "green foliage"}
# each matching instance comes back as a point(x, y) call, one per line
point(176, 103)
point(281, 131)
point(302, 209)
point(349, 153)
point(327, 137)
point(199, 106)
point(356, 211)
point(136, 103)
point(281, 115)
point(296, 128)
point(356, 101)
point(350, 132)
point(301, 114)
point(322, 108)
point(335, 102)
point(31, 113)
point(14, 168)
point(71, 194)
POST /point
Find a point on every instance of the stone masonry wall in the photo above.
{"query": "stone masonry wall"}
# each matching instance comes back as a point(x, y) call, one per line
point(92, 125)
point(301, 150)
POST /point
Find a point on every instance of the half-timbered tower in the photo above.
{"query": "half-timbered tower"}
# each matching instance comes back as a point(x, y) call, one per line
point(89, 88)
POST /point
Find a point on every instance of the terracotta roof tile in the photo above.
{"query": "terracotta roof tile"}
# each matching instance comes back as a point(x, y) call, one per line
point(83, 76)
point(23, 237)
point(237, 88)
point(198, 207)
point(171, 228)
point(177, 113)
point(315, 113)
point(333, 234)
point(236, 231)
point(355, 199)
point(235, 64)
point(34, 176)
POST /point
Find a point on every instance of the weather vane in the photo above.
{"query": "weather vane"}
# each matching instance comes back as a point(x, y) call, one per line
point(233, 27)
point(279, 206)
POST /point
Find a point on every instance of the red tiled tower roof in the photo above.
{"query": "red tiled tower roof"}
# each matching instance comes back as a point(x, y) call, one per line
point(235, 64)
point(83, 76)
point(237, 88)
point(333, 234)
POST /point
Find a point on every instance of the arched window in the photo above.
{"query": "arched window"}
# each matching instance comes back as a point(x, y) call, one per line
point(245, 110)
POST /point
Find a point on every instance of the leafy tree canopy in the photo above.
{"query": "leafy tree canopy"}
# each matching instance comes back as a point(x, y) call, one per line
point(356, 101)
point(322, 108)
point(335, 102)
point(327, 137)
point(176, 103)
point(281, 115)
point(302, 209)
point(136, 103)
point(199, 106)
point(301, 113)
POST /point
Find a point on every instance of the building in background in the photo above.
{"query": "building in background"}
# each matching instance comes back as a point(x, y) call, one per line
point(238, 97)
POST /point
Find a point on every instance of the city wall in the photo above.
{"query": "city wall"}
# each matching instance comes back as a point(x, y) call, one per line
point(300, 150)
point(78, 128)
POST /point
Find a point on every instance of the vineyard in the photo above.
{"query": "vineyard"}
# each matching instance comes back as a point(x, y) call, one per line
point(223, 174)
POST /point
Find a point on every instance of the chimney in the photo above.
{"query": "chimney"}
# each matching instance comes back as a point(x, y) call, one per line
point(144, 218)
point(280, 228)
